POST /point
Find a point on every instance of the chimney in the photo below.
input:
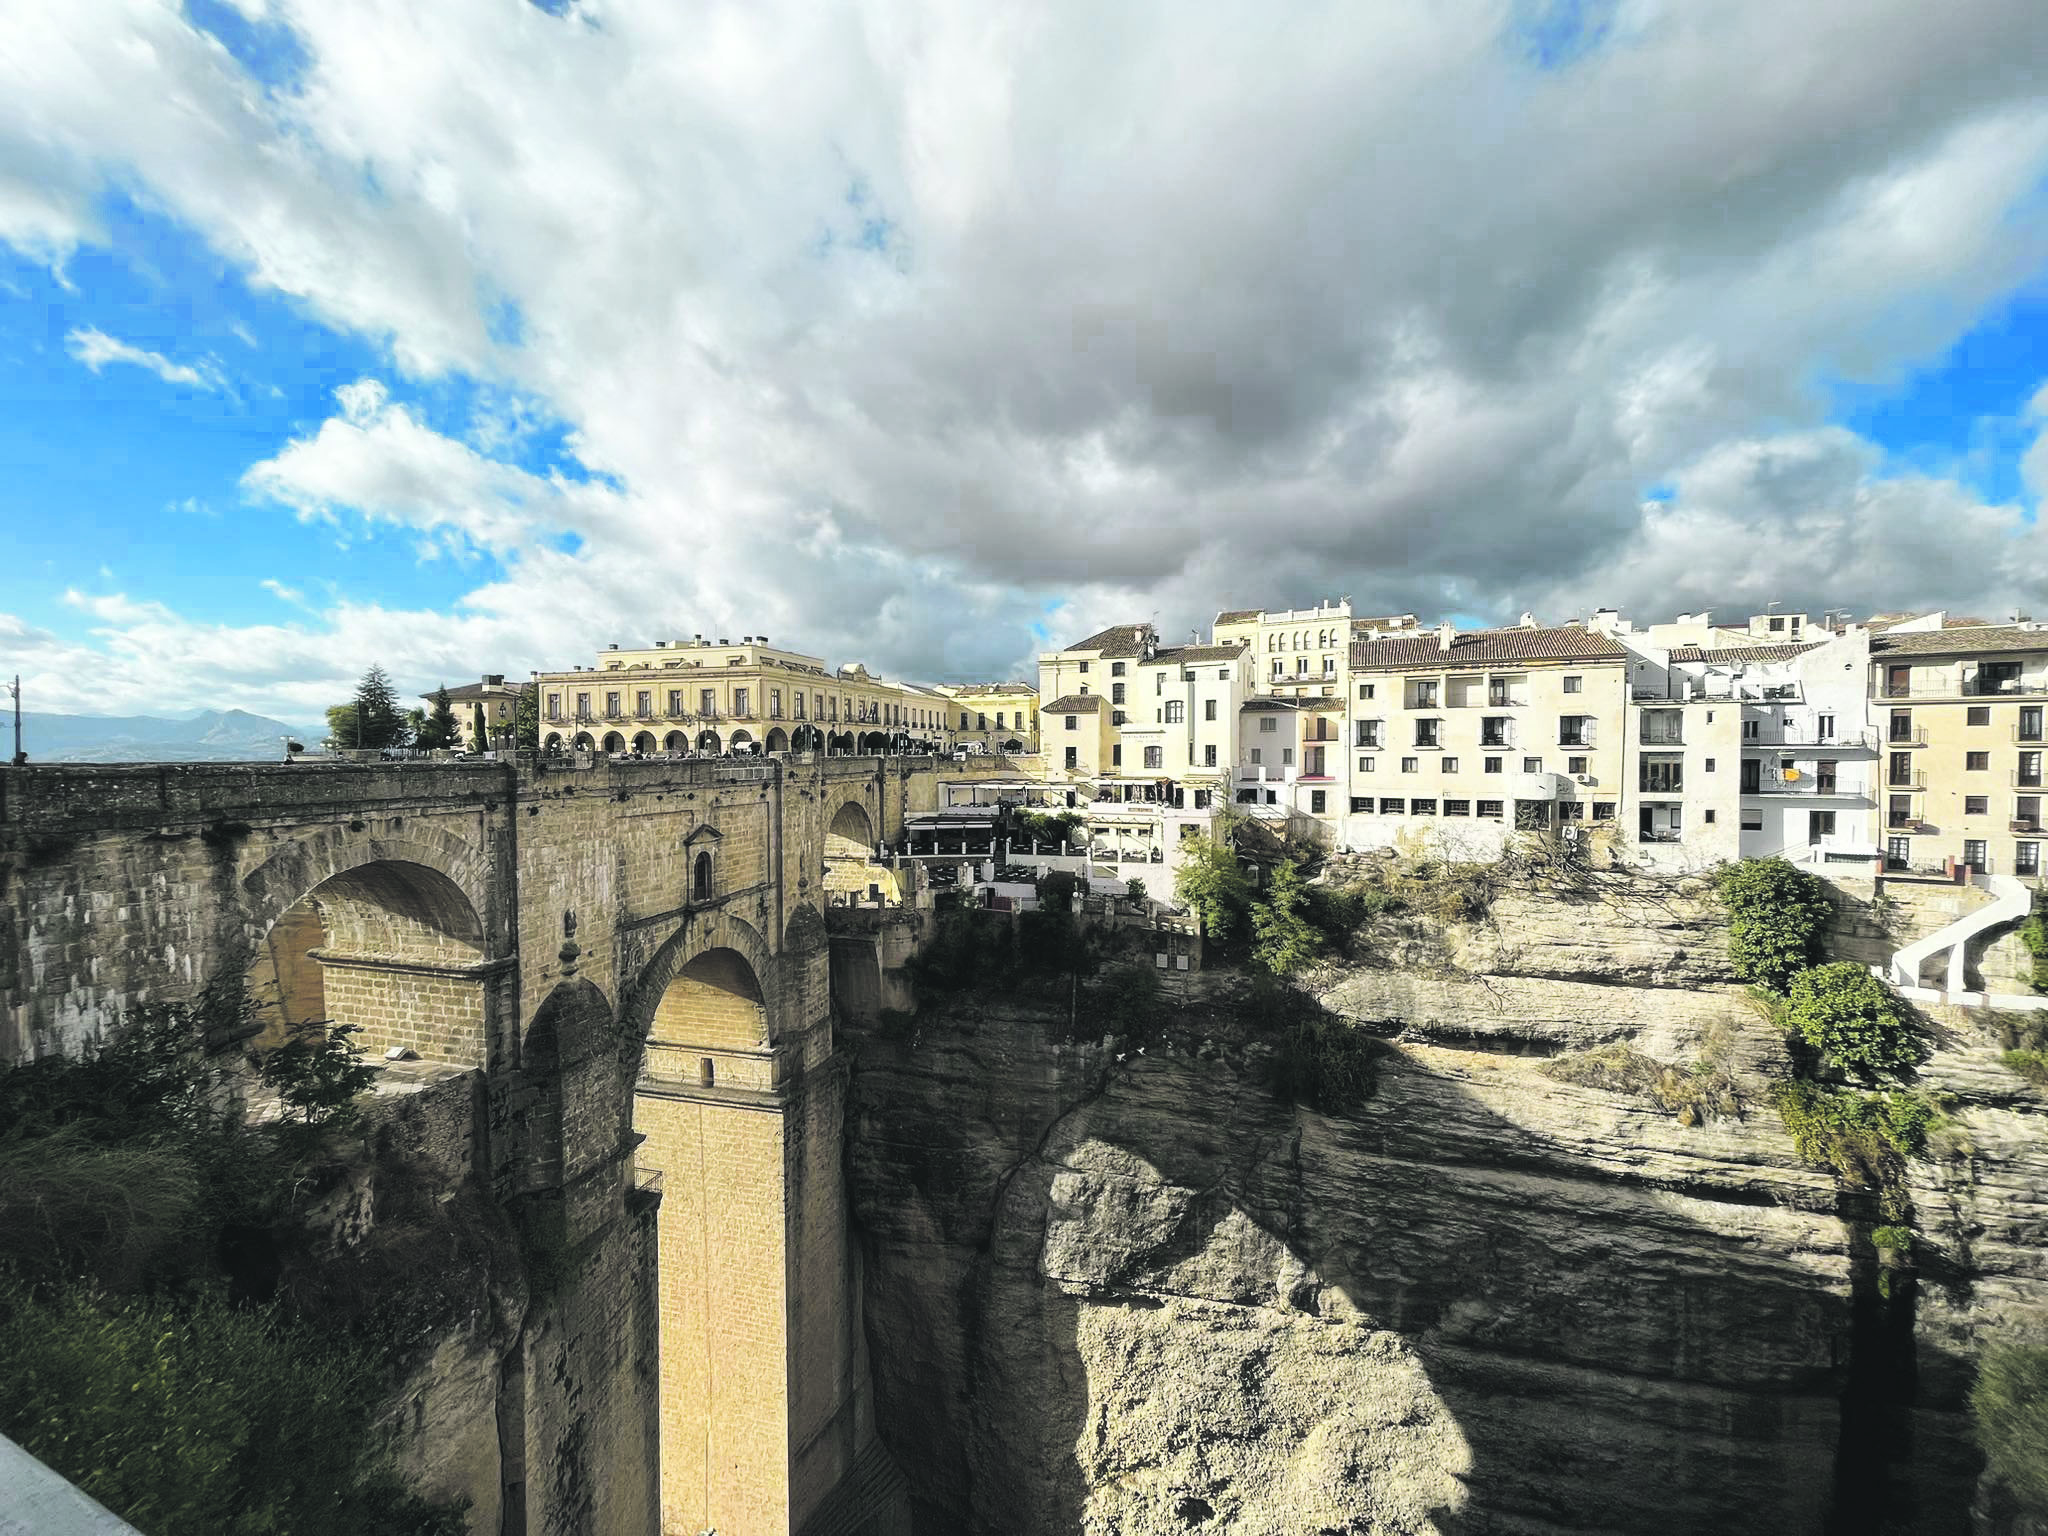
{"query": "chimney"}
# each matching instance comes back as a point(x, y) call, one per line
point(762, 638)
point(613, 646)
point(661, 645)
point(1446, 632)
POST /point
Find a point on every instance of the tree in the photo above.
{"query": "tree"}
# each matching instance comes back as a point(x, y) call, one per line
point(479, 733)
point(439, 729)
point(1776, 915)
point(1854, 1018)
point(526, 719)
point(1283, 939)
point(373, 718)
point(2010, 1401)
point(1212, 885)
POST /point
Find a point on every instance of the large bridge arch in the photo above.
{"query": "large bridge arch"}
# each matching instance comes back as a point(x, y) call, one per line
point(388, 936)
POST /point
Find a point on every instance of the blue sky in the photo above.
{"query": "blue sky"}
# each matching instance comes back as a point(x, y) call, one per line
point(474, 338)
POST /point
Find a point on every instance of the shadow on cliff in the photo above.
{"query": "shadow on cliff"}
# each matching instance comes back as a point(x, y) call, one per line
point(1153, 1295)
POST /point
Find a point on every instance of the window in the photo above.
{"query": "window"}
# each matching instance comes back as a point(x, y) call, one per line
point(1083, 669)
point(1428, 733)
point(1365, 690)
point(1603, 810)
point(1573, 684)
point(1974, 853)
point(1977, 762)
point(1709, 818)
point(1448, 764)
point(1073, 722)
point(1318, 801)
point(1777, 626)
point(1393, 806)
point(2026, 858)
point(1575, 730)
point(1116, 669)
point(1208, 709)
point(707, 701)
point(1752, 821)
point(1361, 805)
point(1301, 666)
point(1073, 757)
point(1159, 683)
point(1662, 776)
point(1154, 757)
point(643, 703)
point(1424, 695)
point(2030, 723)
point(1117, 717)
point(1279, 666)
point(611, 706)
point(1663, 728)
point(1489, 809)
point(1209, 756)
point(1496, 731)
point(1411, 764)
point(1707, 766)
point(1368, 733)
point(1268, 725)
point(1980, 714)
point(2027, 809)
point(1176, 711)
point(1491, 764)
point(1752, 730)
point(1367, 764)
point(1256, 759)
point(2030, 770)
point(1571, 810)
point(1287, 757)
point(1116, 693)
point(1575, 765)
point(700, 880)
point(739, 703)
point(1901, 728)
point(1457, 807)
point(1976, 805)
point(675, 701)
point(1819, 824)
point(554, 706)
point(1116, 755)
point(1532, 765)
point(1424, 806)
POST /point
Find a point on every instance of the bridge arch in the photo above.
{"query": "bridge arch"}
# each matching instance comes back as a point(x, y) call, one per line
point(571, 1057)
point(385, 935)
point(851, 832)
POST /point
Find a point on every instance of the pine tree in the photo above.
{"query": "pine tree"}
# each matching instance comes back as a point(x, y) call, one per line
point(1283, 941)
point(439, 730)
point(378, 722)
point(479, 733)
point(526, 719)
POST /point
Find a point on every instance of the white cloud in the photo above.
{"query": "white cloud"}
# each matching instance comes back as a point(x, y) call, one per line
point(1159, 310)
point(95, 348)
point(281, 592)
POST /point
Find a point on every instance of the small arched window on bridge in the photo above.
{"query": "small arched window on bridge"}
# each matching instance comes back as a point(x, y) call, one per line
point(700, 877)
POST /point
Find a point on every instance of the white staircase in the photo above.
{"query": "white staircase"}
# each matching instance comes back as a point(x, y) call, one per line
point(2011, 902)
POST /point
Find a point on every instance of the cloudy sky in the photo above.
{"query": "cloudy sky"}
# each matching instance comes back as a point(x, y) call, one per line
point(474, 335)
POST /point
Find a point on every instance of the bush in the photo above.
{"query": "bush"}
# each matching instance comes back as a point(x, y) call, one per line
point(194, 1418)
point(2010, 1405)
point(1692, 1094)
point(1776, 916)
point(1854, 1018)
point(2032, 1065)
point(1864, 1138)
point(2034, 934)
point(1211, 884)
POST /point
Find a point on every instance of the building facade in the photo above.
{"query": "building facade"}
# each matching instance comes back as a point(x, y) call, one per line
point(999, 717)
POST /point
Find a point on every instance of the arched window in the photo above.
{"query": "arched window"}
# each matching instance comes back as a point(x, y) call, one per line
point(700, 877)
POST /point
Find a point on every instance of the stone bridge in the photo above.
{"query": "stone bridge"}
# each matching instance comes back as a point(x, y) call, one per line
point(627, 965)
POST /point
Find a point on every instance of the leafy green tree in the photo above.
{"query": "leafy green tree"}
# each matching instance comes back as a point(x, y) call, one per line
point(1283, 939)
point(1213, 887)
point(526, 719)
point(1854, 1018)
point(1776, 916)
point(439, 729)
point(2010, 1403)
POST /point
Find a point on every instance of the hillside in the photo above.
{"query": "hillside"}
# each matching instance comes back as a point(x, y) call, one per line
point(213, 735)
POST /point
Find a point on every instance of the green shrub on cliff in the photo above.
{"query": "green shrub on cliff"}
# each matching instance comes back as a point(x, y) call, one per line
point(1853, 1018)
point(2010, 1405)
point(1864, 1138)
point(1283, 939)
point(1776, 916)
point(1212, 885)
point(2034, 934)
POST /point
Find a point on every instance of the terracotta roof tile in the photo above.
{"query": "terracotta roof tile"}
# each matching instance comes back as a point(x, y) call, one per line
point(1117, 640)
point(1411, 652)
point(1971, 640)
point(1230, 652)
point(1239, 616)
point(1742, 652)
point(1073, 704)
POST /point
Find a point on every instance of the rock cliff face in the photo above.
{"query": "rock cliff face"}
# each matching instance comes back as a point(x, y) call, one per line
point(1112, 1290)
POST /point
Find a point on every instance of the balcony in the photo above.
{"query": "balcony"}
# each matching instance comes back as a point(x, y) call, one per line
point(2021, 779)
point(1906, 782)
point(2026, 737)
point(1814, 788)
point(2004, 688)
point(1905, 737)
point(2025, 826)
point(1908, 822)
point(1838, 741)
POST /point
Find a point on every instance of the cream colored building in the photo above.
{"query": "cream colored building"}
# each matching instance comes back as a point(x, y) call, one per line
point(1467, 738)
point(1002, 717)
point(1302, 652)
point(1960, 713)
point(714, 696)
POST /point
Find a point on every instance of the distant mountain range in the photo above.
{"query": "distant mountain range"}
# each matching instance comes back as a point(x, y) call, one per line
point(211, 736)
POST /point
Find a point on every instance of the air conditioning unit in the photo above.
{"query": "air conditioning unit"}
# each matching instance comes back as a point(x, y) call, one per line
point(1586, 778)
